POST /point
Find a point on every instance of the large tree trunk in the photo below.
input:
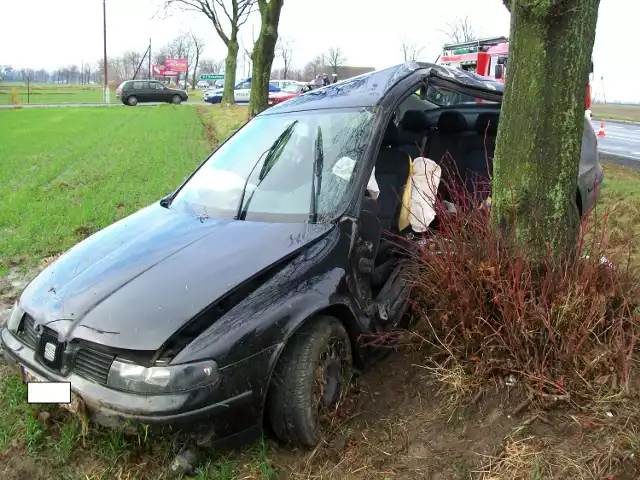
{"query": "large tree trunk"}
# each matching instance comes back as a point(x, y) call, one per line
point(263, 55)
point(230, 68)
point(538, 147)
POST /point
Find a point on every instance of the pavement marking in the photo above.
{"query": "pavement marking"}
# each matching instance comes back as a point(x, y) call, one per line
point(617, 154)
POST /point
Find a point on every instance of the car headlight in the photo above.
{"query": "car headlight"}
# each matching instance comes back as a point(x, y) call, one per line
point(14, 318)
point(161, 379)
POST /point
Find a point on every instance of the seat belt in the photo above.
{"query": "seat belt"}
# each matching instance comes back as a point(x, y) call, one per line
point(425, 143)
point(405, 207)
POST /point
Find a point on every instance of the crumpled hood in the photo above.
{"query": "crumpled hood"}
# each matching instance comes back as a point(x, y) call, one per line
point(135, 283)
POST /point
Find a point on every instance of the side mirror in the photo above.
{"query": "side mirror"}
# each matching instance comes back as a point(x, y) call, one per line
point(502, 60)
point(499, 71)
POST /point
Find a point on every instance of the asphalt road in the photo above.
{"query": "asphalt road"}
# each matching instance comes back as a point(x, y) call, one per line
point(620, 140)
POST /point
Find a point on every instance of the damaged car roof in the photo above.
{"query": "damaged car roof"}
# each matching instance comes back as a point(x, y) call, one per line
point(369, 89)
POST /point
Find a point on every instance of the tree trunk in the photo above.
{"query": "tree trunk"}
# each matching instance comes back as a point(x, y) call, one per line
point(195, 72)
point(230, 68)
point(263, 55)
point(537, 154)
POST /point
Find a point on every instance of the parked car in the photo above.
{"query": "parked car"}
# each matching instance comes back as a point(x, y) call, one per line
point(239, 299)
point(203, 84)
point(288, 92)
point(282, 84)
point(241, 93)
point(132, 92)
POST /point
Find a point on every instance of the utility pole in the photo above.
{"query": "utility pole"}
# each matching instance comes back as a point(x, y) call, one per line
point(104, 28)
point(81, 72)
point(149, 59)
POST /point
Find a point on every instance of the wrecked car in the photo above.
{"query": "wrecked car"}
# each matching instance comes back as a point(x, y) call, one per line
point(239, 299)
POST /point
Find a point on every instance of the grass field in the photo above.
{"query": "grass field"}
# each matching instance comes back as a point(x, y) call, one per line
point(616, 112)
point(69, 172)
point(47, 94)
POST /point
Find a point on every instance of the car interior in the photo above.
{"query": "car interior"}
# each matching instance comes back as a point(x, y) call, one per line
point(460, 138)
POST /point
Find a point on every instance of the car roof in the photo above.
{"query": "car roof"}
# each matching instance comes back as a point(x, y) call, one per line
point(369, 89)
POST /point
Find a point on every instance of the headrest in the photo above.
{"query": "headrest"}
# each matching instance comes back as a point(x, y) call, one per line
point(414, 121)
point(390, 138)
point(451, 122)
point(487, 122)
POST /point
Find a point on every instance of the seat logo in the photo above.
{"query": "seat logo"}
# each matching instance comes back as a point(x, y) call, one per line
point(50, 352)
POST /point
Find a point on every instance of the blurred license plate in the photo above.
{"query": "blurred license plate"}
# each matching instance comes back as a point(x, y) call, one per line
point(29, 376)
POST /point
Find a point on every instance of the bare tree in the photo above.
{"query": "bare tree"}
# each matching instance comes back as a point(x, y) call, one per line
point(285, 49)
point(208, 65)
point(410, 50)
point(72, 76)
point(227, 16)
point(310, 70)
point(197, 49)
point(460, 30)
point(335, 58)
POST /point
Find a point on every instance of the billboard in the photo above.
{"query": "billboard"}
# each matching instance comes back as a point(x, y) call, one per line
point(160, 70)
point(176, 64)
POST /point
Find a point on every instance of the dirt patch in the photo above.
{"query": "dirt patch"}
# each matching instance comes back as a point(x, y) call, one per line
point(407, 426)
point(208, 126)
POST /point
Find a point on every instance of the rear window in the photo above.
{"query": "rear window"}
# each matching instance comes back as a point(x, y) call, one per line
point(140, 85)
point(122, 85)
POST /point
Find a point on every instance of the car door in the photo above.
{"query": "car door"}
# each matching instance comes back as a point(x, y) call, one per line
point(157, 92)
point(242, 92)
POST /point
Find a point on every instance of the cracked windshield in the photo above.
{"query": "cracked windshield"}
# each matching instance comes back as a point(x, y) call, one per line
point(288, 167)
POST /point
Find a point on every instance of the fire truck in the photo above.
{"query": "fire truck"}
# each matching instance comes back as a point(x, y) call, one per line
point(487, 57)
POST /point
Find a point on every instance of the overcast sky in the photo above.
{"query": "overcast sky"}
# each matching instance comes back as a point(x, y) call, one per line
point(51, 34)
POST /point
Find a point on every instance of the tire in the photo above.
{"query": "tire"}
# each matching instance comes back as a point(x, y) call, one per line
point(176, 100)
point(297, 403)
point(132, 101)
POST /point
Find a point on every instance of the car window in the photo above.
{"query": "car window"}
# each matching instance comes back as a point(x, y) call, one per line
point(272, 160)
point(442, 97)
point(245, 84)
point(291, 88)
point(156, 85)
point(122, 85)
point(140, 85)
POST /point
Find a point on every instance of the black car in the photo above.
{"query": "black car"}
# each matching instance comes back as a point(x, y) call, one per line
point(242, 296)
point(132, 92)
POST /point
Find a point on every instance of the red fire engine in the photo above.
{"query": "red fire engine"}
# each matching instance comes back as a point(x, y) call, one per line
point(486, 57)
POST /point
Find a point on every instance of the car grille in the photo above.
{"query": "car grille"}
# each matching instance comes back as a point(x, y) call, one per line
point(50, 349)
point(28, 331)
point(93, 365)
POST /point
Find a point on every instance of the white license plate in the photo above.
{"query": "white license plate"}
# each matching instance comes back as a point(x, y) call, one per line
point(30, 376)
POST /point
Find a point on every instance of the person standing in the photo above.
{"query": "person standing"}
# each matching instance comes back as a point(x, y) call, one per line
point(325, 80)
point(335, 77)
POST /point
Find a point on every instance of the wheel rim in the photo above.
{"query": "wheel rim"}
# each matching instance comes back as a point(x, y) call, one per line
point(332, 379)
point(133, 101)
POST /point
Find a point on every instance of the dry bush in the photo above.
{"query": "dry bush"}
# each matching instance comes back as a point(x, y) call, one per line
point(570, 331)
point(15, 97)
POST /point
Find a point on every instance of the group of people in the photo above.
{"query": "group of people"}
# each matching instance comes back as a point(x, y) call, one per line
point(322, 80)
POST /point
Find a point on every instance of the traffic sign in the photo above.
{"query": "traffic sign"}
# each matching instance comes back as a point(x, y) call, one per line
point(211, 77)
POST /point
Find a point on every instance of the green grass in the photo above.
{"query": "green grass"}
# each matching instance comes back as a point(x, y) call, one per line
point(69, 172)
point(612, 111)
point(48, 93)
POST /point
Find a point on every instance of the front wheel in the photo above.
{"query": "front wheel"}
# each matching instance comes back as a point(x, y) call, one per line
point(132, 101)
point(310, 380)
point(176, 100)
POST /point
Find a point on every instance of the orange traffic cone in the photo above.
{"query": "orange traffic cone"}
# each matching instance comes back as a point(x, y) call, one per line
point(601, 131)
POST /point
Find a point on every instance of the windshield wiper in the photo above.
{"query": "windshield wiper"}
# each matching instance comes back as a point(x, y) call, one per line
point(316, 181)
point(271, 152)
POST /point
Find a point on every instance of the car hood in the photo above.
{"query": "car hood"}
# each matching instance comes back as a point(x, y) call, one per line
point(135, 283)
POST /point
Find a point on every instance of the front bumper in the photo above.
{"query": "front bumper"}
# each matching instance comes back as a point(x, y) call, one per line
point(189, 411)
point(213, 99)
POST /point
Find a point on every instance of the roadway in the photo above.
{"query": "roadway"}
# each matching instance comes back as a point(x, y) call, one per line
point(620, 140)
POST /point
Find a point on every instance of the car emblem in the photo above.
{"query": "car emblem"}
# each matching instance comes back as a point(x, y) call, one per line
point(50, 352)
